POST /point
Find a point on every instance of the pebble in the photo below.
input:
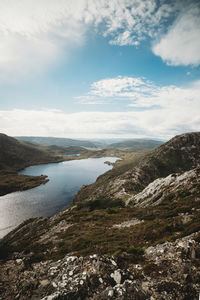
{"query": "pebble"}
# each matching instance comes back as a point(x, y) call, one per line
point(101, 280)
point(44, 282)
point(54, 284)
point(113, 262)
point(110, 293)
point(19, 261)
point(116, 276)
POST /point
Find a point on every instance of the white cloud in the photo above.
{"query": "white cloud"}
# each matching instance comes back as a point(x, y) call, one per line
point(165, 110)
point(181, 45)
point(115, 86)
point(120, 88)
point(23, 55)
point(142, 93)
point(36, 34)
point(124, 39)
point(175, 110)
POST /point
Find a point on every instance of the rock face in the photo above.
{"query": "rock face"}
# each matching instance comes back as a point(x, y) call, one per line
point(171, 271)
point(99, 248)
point(160, 188)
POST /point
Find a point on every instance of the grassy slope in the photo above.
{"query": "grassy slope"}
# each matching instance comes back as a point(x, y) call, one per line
point(91, 228)
point(16, 155)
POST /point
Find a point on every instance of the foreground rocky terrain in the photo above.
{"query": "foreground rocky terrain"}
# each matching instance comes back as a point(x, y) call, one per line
point(171, 271)
point(134, 234)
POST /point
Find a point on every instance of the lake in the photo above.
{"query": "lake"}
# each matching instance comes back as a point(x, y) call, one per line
point(66, 178)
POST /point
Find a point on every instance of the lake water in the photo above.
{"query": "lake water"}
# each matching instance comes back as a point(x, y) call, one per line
point(66, 178)
point(78, 154)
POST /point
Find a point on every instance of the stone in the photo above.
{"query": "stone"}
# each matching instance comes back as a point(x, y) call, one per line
point(101, 280)
point(19, 261)
point(116, 276)
point(110, 293)
point(44, 282)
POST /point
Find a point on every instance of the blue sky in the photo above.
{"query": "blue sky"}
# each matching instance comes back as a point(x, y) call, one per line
point(99, 69)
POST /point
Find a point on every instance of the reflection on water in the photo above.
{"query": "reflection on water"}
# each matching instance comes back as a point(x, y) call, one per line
point(66, 178)
point(77, 154)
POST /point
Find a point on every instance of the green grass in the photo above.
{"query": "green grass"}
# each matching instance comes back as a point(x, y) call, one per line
point(92, 230)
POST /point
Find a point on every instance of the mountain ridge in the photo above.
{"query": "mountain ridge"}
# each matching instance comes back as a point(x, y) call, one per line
point(179, 154)
point(137, 144)
point(66, 142)
point(49, 141)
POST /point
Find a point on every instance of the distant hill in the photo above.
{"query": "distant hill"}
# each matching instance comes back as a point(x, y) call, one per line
point(48, 141)
point(66, 150)
point(15, 155)
point(137, 143)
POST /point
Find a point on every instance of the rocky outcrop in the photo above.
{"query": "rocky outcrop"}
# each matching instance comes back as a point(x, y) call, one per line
point(161, 188)
point(180, 154)
point(171, 271)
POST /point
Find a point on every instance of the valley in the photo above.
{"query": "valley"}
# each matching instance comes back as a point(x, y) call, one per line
point(132, 234)
point(15, 155)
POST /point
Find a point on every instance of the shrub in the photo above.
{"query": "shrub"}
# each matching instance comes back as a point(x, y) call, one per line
point(101, 203)
point(135, 250)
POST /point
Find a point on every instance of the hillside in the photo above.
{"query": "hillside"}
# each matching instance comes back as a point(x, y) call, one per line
point(137, 144)
point(65, 142)
point(16, 155)
point(178, 155)
point(134, 234)
point(48, 141)
point(61, 150)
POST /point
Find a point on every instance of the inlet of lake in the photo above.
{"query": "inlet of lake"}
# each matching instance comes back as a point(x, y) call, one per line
point(65, 179)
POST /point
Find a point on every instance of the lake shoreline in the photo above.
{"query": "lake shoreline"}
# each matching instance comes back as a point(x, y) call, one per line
point(64, 180)
point(17, 183)
point(12, 182)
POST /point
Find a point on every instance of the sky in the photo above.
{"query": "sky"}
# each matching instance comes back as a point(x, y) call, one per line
point(99, 68)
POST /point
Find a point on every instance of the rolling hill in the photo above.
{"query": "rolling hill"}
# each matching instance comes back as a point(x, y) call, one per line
point(16, 155)
point(137, 144)
point(48, 141)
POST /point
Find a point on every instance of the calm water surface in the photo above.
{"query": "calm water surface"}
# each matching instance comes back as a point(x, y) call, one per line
point(66, 178)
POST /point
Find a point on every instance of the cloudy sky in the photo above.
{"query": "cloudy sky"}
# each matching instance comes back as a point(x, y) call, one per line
point(99, 68)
